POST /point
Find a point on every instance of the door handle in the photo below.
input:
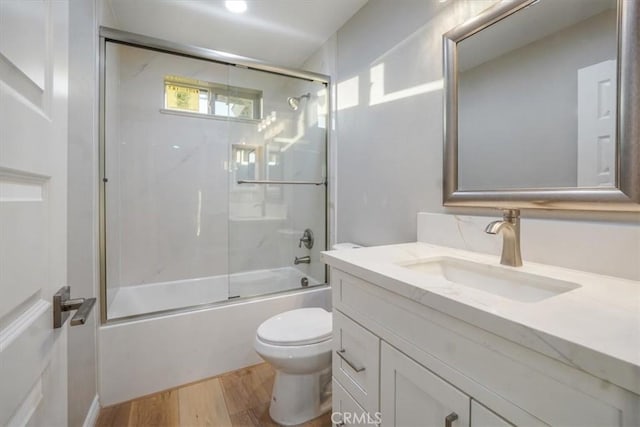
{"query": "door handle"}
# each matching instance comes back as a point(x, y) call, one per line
point(63, 304)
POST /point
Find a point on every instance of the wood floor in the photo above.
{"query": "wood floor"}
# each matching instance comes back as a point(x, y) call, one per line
point(238, 398)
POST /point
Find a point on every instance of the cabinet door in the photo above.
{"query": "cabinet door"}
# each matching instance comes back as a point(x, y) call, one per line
point(484, 417)
point(412, 396)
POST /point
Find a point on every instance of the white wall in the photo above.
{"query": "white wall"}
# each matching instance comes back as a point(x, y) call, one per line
point(389, 139)
point(82, 267)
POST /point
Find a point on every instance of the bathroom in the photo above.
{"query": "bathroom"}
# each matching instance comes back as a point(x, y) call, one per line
point(190, 244)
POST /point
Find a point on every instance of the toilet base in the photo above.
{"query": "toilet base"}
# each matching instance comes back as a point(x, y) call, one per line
point(297, 399)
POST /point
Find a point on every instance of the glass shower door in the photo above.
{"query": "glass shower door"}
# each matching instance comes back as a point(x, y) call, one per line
point(277, 191)
point(166, 191)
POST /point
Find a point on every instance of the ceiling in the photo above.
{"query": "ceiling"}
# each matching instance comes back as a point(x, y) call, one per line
point(281, 32)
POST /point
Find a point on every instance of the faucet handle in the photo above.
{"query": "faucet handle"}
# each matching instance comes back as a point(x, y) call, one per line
point(510, 214)
point(307, 239)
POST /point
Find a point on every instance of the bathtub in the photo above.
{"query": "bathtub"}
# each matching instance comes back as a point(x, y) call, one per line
point(156, 297)
point(141, 356)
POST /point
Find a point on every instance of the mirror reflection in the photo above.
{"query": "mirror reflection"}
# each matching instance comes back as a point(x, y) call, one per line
point(537, 99)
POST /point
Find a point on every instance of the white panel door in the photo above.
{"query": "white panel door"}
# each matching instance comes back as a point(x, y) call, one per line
point(33, 152)
point(597, 125)
point(413, 396)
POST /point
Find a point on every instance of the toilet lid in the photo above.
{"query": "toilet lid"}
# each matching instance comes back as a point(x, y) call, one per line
point(297, 327)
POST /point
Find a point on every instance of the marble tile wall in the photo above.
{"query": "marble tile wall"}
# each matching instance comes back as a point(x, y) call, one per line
point(612, 249)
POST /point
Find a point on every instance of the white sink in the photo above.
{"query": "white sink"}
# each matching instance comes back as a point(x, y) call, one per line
point(505, 282)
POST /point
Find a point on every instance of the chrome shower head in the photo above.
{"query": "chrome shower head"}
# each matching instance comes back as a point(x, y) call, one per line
point(294, 101)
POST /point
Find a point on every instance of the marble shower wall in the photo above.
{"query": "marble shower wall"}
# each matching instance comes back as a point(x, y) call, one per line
point(174, 209)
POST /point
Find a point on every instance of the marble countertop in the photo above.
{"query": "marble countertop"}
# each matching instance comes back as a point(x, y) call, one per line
point(594, 328)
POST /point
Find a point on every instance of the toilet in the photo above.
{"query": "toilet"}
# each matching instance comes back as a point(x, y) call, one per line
point(298, 344)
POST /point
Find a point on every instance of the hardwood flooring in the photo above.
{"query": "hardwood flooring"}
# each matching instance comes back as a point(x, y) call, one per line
point(238, 398)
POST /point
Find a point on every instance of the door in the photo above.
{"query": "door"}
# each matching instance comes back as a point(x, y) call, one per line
point(597, 125)
point(33, 152)
point(165, 182)
point(412, 396)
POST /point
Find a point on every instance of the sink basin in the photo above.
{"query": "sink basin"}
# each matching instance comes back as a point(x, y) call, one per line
point(505, 282)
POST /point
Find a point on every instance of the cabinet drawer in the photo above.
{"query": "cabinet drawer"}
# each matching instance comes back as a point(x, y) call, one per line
point(347, 412)
point(356, 360)
point(411, 395)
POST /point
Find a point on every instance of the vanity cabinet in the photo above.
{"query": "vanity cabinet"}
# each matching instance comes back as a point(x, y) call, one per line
point(418, 365)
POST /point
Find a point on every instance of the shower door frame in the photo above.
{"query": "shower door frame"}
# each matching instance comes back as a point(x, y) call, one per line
point(107, 34)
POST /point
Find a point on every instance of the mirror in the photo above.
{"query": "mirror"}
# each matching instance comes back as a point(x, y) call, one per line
point(539, 109)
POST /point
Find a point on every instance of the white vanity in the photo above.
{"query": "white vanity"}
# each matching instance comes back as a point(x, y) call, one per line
point(426, 335)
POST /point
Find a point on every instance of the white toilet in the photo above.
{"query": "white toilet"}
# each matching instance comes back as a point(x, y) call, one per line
point(297, 344)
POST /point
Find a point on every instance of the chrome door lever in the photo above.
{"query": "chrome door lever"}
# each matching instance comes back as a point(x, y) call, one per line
point(63, 304)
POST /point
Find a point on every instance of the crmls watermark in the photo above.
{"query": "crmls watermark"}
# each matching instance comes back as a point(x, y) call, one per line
point(341, 418)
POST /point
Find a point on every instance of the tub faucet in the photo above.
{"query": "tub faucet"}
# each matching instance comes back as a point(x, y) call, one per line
point(302, 260)
point(510, 228)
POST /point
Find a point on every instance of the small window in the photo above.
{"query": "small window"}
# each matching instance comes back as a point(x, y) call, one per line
point(185, 98)
point(195, 96)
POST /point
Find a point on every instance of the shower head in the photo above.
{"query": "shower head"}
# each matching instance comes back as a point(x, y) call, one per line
point(294, 101)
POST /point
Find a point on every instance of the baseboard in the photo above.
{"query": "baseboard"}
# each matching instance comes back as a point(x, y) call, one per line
point(92, 415)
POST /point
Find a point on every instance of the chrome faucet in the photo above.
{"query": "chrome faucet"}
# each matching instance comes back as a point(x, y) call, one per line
point(510, 228)
point(302, 260)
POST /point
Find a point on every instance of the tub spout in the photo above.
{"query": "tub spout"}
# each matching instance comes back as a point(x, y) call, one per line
point(302, 260)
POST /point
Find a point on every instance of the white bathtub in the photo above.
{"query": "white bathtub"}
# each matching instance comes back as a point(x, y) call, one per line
point(154, 297)
point(142, 356)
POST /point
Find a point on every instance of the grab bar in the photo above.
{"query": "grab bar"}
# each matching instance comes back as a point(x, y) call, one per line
point(250, 181)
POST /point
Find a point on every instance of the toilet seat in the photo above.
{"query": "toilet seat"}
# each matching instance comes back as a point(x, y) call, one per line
point(303, 326)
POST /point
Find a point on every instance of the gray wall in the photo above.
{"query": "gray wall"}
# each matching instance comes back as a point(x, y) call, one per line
point(389, 155)
point(82, 268)
point(525, 105)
